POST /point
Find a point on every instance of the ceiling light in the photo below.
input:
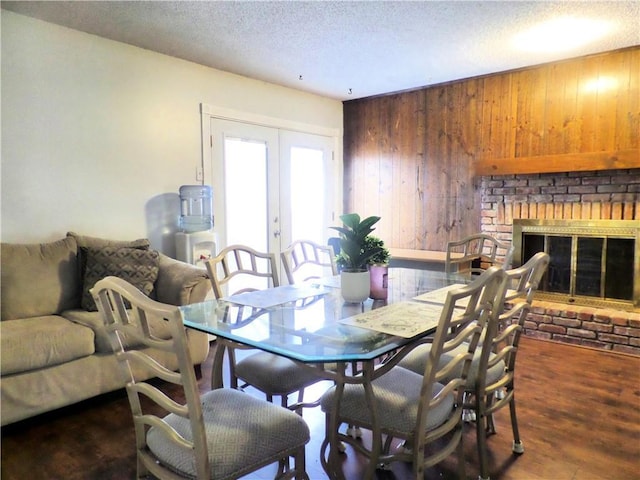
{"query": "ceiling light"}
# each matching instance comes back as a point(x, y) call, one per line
point(561, 34)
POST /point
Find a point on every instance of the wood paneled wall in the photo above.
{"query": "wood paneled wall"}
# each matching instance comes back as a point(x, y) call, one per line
point(415, 158)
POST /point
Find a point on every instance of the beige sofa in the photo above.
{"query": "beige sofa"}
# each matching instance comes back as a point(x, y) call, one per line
point(54, 349)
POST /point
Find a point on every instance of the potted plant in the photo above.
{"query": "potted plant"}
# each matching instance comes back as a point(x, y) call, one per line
point(381, 257)
point(378, 267)
point(355, 255)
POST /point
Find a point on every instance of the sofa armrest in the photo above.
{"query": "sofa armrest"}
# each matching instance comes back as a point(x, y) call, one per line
point(181, 283)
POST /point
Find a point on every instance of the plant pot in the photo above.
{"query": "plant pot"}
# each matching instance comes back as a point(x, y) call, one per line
point(378, 287)
point(355, 285)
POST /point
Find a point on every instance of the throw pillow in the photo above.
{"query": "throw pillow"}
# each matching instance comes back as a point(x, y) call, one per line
point(85, 242)
point(138, 267)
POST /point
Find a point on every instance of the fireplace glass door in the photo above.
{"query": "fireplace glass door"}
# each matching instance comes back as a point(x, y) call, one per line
point(600, 267)
point(619, 268)
point(586, 262)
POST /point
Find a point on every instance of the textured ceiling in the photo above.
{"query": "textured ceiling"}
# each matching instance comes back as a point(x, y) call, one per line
point(341, 49)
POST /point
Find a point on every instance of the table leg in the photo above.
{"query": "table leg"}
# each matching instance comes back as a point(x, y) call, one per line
point(376, 437)
point(217, 367)
point(332, 465)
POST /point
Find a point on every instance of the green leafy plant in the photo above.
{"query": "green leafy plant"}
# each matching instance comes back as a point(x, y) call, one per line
point(382, 257)
point(355, 251)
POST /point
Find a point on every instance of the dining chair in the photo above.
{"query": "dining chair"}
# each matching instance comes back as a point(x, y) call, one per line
point(272, 374)
point(476, 253)
point(490, 383)
point(222, 434)
point(304, 260)
point(490, 392)
point(419, 408)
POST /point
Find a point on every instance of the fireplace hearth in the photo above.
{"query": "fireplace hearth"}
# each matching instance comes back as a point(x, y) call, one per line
point(593, 262)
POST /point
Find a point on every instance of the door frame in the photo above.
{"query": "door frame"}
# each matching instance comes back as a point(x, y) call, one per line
point(208, 112)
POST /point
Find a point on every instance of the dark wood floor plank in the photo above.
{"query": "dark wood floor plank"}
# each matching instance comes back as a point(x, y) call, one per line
point(578, 410)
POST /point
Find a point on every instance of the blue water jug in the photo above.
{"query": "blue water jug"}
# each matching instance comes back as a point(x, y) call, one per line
point(196, 205)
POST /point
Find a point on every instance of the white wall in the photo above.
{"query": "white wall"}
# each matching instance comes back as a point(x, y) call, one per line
point(97, 136)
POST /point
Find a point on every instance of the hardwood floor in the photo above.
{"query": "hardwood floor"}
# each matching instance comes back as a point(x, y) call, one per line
point(578, 411)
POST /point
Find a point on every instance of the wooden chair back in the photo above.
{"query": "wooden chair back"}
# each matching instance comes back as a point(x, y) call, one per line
point(476, 253)
point(304, 260)
point(257, 270)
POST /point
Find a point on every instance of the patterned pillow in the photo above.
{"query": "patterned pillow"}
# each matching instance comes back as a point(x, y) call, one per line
point(85, 242)
point(138, 267)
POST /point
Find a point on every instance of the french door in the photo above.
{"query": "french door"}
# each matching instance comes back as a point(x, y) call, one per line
point(271, 186)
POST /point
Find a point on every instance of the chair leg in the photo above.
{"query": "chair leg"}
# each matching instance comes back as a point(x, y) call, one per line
point(300, 401)
point(462, 473)
point(298, 472)
point(283, 467)
point(482, 403)
point(328, 459)
point(232, 371)
point(482, 451)
point(299, 463)
point(518, 447)
point(489, 425)
point(141, 469)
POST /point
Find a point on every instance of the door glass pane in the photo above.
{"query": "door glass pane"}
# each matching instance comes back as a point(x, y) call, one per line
point(245, 172)
point(532, 244)
point(589, 266)
point(307, 194)
point(619, 274)
point(560, 264)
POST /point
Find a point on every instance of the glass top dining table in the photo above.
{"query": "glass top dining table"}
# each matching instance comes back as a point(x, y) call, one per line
point(311, 323)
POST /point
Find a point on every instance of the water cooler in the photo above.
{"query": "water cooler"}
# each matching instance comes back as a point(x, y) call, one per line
point(196, 241)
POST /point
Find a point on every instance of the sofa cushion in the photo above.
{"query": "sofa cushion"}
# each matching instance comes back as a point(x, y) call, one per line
point(138, 267)
point(158, 326)
point(30, 343)
point(39, 279)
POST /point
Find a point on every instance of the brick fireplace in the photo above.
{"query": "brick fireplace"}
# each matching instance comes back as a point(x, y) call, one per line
point(601, 195)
